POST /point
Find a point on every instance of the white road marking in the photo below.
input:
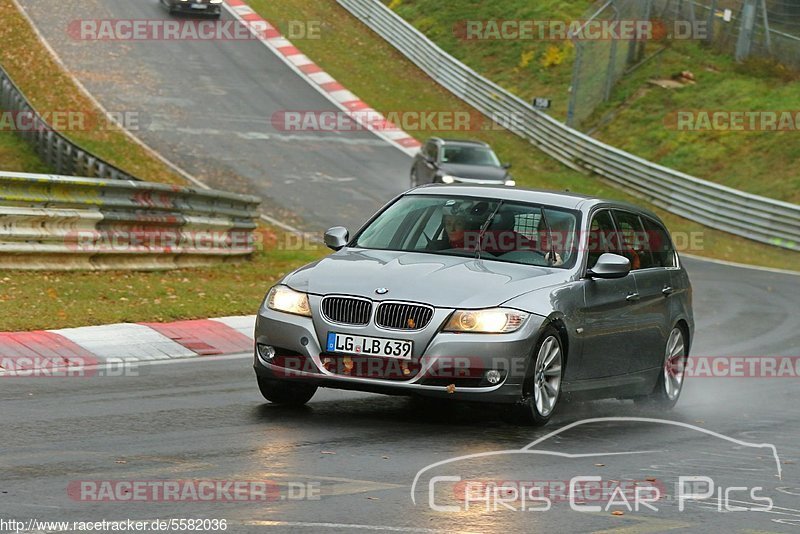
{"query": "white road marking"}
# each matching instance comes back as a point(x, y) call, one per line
point(740, 265)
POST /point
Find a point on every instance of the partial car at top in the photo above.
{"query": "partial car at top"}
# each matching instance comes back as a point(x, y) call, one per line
point(450, 161)
point(212, 8)
point(482, 293)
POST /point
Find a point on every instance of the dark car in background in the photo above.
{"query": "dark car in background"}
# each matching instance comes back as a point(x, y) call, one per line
point(211, 8)
point(451, 161)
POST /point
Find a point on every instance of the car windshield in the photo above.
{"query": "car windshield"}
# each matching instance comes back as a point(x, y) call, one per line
point(491, 229)
point(469, 155)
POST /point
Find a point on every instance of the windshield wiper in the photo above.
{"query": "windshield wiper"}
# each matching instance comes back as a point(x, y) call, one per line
point(484, 227)
point(553, 254)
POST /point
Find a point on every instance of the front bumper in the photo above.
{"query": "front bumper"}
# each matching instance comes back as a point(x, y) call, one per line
point(440, 363)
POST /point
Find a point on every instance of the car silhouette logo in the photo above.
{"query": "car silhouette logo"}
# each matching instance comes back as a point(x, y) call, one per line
point(381, 291)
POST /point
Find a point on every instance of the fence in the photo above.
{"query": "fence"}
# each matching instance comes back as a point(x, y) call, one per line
point(758, 218)
point(743, 28)
point(68, 223)
point(61, 154)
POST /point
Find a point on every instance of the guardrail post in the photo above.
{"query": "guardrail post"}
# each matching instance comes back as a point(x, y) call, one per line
point(612, 60)
point(765, 16)
point(745, 41)
point(576, 82)
point(712, 19)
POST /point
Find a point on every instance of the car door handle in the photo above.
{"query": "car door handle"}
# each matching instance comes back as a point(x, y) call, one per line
point(667, 291)
point(632, 297)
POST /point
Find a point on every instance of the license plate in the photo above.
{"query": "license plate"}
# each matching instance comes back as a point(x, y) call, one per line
point(199, 6)
point(369, 346)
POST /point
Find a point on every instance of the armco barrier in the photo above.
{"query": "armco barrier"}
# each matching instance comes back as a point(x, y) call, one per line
point(755, 217)
point(68, 223)
point(61, 154)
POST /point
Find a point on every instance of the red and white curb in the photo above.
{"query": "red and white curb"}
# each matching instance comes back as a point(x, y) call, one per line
point(126, 342)
point(323, 82)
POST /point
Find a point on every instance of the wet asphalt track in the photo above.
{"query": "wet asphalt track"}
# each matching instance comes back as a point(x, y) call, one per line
point(206, 420)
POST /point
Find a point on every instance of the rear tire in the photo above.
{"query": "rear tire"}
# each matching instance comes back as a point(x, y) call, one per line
point(673, 373)
point(542, 389)
point(285, 393)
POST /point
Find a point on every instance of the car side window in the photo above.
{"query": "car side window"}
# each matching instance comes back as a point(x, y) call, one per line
point(434, 152)
point(427, 149)
point(633, 240)
point(660, 244)
point(601, 233)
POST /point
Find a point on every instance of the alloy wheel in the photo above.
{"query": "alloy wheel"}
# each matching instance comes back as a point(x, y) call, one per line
point(547, 376)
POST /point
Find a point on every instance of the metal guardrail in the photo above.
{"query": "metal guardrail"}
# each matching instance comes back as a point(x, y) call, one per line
point(61, 154)
point(68, 223)
point(716, 206)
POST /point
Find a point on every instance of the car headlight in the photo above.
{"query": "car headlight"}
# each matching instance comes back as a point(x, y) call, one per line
point(511, 183)
point(285, 299)
point(447, 179)
point(492, 321)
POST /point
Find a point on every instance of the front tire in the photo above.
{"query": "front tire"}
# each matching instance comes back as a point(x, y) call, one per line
point(285, 393)
point(673, 373)
point(542, 389)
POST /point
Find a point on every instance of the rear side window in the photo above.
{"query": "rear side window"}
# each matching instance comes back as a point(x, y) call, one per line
point(660, 244)
point(635, 245)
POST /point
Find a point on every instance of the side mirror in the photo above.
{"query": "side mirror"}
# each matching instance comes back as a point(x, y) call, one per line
point(337, 237)
point(610, 266)
point(506, 165)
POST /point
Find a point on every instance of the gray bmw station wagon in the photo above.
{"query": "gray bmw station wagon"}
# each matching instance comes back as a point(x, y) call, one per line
point(485, 294)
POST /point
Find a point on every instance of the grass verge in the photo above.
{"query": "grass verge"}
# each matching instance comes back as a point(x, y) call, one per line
point(17, 156)
point(376, 72)
point(47, 300)
point(640, 116)
point(36, 73)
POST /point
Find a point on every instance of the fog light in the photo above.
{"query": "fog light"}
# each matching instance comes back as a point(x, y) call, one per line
point(266, 352)
point(493, 376)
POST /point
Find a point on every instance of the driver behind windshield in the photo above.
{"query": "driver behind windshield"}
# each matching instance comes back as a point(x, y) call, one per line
point(457, 222)
point(467, 224)
point(485, 228)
